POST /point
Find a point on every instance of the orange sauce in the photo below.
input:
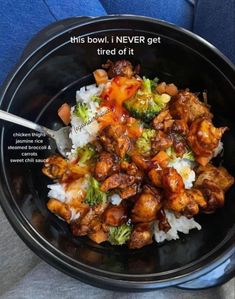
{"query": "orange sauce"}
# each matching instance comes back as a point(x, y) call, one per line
point(119, 90)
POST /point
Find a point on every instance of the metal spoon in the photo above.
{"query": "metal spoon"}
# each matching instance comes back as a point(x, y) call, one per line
point(61, 136)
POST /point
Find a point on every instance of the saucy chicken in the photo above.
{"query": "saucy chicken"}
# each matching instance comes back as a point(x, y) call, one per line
point(153, 152)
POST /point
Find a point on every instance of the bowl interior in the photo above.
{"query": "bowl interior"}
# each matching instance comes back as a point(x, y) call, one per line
point(52, 81)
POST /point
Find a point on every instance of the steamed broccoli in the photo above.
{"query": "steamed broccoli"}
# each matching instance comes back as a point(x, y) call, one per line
point(143, 143)
point(97, 99)
point(187, 155)
point(142, 107)
point(81, 110)
point(146, 103)
point(94, 195)
point(119, 235)
point(85, 153)
point(161, 99)
point(149, 85)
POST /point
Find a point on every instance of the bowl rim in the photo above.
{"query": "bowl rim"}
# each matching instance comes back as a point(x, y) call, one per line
point(60, 260)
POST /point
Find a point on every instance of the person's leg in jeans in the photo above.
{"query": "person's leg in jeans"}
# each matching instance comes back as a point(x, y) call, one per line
point(179, 12)
point(21, 20)
point(212, 19)
point(215, 21)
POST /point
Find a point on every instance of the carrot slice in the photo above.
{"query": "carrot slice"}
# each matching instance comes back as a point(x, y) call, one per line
point(134, 128)
point(161, 159)
point(64, 113)
point(101, 76)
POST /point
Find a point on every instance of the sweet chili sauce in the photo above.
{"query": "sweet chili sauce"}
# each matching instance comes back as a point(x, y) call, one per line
point(119, 90)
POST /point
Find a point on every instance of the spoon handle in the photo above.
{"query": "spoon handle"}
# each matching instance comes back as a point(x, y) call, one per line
point(23, 122)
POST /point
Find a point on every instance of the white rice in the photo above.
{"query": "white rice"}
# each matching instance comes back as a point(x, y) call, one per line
point(184, 168)
point(57, 191)
point(115, 199)
point(77, 191)
point(83, 133)
point(85, 93)
point(181, 224)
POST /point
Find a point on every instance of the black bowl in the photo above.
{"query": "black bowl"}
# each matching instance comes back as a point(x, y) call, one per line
point(49, 73)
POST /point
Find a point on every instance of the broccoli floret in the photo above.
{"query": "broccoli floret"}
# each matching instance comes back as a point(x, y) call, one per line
point(96, 99)
point(143, 143)
point(119, 235)
point(94, 195)
point(161, 100)
point(142, 107)
point(85, 153)
point(143, 104)
point(170, 152)
point(187, 155)
point(81, 110)
point(149, 85)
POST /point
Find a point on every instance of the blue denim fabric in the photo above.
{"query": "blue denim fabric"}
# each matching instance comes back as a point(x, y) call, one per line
point(179, 12)
point(215, 21)
point(65, 9)
point(20, 20)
